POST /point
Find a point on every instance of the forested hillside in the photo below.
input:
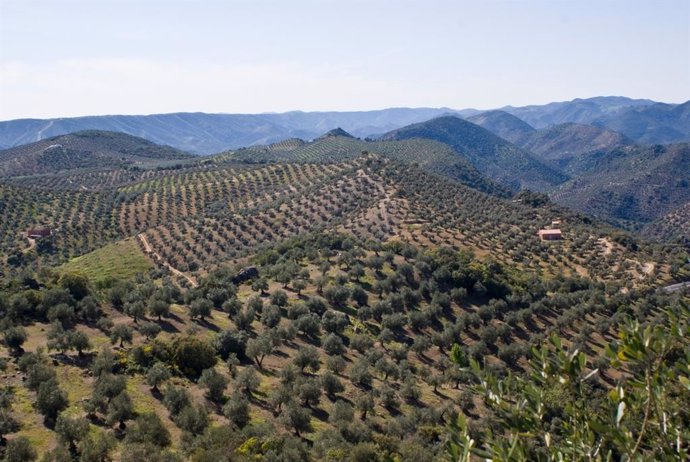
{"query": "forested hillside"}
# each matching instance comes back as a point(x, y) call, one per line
point(491, 155)
point(633, 183)
point(503, 124)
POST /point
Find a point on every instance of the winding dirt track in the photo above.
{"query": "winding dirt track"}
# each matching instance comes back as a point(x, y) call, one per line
point(149, 250)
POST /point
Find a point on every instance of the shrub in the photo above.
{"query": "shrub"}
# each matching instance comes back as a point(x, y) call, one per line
point(309, 391)
point(71, 430)
point(258, 348)
point(331, 384)
point(50, 399)
point(176, 399)
point(149, 429)
point(20, 449)
point(76, 284)
point(307, 357)
point(192, 355)
point(156, 375)
point(14, 338)
point(192, 419)
point(123, 333)
point(237, 410)
point(200, 308)
point(360, 375)
point(8, 424)
point(215, 384)
point(333, 345)
point(296, 418)
point(120, 408)
point(231, 341)
point(248, 380)
point(279, 297)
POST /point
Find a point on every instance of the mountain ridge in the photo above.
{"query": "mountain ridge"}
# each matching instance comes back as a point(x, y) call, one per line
point(203, 133)
point(563, 142)
point(659, 123)
point(503, 124)
point(580, 110)
point(635, 184)
point(490, 154)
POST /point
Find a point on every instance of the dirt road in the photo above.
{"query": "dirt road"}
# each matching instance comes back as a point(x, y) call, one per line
point(149, 250)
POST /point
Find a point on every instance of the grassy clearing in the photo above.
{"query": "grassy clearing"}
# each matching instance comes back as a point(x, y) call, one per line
point(77, 385)
point(119, 260)
point(41, 438)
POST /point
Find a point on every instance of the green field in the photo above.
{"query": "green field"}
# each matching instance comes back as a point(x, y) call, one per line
point(119, 260)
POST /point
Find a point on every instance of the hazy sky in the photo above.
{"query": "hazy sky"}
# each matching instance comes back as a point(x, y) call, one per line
point(78, 57)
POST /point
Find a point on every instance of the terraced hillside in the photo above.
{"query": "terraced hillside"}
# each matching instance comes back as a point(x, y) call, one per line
point(84, 150)
point(197, 216)
point(315, 303)
point(336, 344)
point(428, 154)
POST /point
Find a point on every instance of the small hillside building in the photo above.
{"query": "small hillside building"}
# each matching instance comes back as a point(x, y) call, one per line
point(550, 234)
point(38, 232)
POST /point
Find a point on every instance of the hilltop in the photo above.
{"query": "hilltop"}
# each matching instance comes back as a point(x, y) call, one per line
point(336, 132)
point(90, 149)
point(505, 125)
point(490, 154)
point(430, 155)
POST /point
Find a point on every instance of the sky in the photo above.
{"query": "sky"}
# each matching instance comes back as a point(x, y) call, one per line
point(65, 58)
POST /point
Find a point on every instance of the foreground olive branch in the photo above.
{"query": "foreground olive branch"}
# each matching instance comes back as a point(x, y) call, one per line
point(645, 416)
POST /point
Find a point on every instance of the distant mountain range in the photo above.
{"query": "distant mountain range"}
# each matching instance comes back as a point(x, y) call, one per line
point(657, 123)
point(583, 111)
point(558, 144)
point(200, 133)
point(563, 143)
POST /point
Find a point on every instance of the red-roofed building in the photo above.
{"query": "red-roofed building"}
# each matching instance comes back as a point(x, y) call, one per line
point(550, 234)
point(38, 232)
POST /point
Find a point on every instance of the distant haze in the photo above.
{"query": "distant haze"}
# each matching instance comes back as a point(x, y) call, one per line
point(641, 120)
point(78, 57)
